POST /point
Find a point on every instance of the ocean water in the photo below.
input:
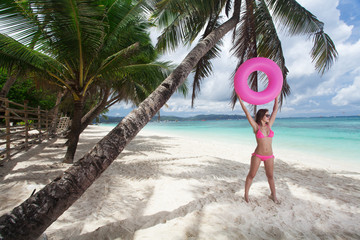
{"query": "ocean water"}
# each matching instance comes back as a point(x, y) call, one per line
point(336, 138)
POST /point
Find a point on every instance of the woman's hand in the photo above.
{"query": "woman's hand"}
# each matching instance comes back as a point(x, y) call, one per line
point(277, 98)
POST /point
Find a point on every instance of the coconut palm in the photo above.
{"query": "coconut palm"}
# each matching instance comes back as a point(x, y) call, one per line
point(134, 88)
point(254, 35)
point(34, 215)
point(78, 45)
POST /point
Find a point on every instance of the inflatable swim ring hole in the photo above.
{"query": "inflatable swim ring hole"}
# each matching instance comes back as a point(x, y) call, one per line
point(263, 80)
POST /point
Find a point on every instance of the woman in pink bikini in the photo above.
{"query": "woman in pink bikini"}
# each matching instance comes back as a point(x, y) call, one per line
point(263, 151)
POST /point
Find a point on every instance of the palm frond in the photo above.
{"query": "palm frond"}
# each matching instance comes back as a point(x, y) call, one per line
point(74, 28)
point(244, 39)
point(135, 82)
point(323, 52)
point(18, 21)
point(203, 68)
point(183, 29)
point(245, 46)
point(183, 20)
point(269, 44)
point(297, 20)
point(183, 88)
point(228, 6)
point(120, 15)
point(13, 52)
point(119, 56)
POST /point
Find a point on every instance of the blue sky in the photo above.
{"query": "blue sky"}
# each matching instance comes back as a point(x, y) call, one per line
point(337, 92)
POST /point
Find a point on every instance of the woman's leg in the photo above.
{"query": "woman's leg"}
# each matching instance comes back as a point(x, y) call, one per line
point(254, 166)
point(269, 170)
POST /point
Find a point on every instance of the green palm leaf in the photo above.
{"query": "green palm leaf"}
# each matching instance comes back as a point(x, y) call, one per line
point(183, 20)
point(203, 68)
point(269, 44)
point(18, 21)
point(323, 52)
point(297, 20)
point(135, 82)
point(13, 52)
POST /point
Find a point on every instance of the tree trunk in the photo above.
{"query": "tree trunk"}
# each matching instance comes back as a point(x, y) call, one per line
point(30, 219)
point(87, 119)
point(73, 137)
point(9, 82)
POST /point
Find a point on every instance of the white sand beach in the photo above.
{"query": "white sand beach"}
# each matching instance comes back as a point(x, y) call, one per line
point(165, 186)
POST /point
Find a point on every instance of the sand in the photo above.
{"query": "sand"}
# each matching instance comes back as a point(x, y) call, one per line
point(165, 186)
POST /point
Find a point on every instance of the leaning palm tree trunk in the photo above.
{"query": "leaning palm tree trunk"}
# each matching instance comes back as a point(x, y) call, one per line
point(32, 217)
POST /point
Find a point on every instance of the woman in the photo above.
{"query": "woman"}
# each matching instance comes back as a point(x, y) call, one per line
point(263, 151)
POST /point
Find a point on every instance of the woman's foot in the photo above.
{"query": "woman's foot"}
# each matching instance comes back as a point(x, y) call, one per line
point(274, 198)
point(246, 197)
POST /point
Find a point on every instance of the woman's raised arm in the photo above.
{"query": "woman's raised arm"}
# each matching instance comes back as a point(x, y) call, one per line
point(274, 112)
point(248, 115)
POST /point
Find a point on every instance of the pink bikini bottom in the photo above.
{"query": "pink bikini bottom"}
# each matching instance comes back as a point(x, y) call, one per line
point(262, 158)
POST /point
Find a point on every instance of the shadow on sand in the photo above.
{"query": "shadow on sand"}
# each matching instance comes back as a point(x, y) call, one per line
point(222, 182)
point(220, 186)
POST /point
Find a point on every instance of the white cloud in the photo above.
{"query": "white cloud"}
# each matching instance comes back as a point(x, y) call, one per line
point(340, 76)
point(296, 51)
point(286, 109)
point(307, 85)
point(348, 95)
point(122, 105)
point(314, 102)
point(327, 12)
point(176, 105)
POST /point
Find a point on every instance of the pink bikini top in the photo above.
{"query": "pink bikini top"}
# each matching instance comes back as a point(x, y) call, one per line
point(259, 134)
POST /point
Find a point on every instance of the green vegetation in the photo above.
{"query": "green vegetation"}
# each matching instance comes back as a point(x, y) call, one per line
point(26, 90)
point(99, 51)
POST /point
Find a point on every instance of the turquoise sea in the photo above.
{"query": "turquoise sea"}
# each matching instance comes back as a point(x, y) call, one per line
point(337, 138)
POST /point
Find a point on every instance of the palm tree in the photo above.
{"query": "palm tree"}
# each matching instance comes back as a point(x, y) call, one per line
point(254, 35)
point(78, 45)
point(134, 88)
point(34, 215)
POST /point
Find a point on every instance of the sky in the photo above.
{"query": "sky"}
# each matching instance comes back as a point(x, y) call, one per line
point(335, 93)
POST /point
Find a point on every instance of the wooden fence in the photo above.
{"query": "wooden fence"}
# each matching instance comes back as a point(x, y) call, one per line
point(21, 126)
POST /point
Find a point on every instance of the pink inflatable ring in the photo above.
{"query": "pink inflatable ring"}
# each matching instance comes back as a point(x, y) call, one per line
point(272, 71)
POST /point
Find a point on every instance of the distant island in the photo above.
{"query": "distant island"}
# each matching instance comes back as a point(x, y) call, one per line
point(208, 117)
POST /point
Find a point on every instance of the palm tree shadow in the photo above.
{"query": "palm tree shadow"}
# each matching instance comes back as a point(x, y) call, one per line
point(332, 185)
point(47, 158)
point(221, 182)
point(125, 229)
point(221, 190)
point(23, 157)
point(145, 145)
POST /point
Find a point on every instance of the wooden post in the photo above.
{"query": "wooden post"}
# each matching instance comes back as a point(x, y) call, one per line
point(7, 122)
point(47, 123)
point(26, 123)
point(39, 121)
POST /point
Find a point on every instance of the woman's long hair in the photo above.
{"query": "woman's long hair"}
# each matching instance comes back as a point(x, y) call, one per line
point(260, 114)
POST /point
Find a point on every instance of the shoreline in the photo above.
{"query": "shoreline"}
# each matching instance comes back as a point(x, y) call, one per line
point(165, 186)
point(298, 157)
